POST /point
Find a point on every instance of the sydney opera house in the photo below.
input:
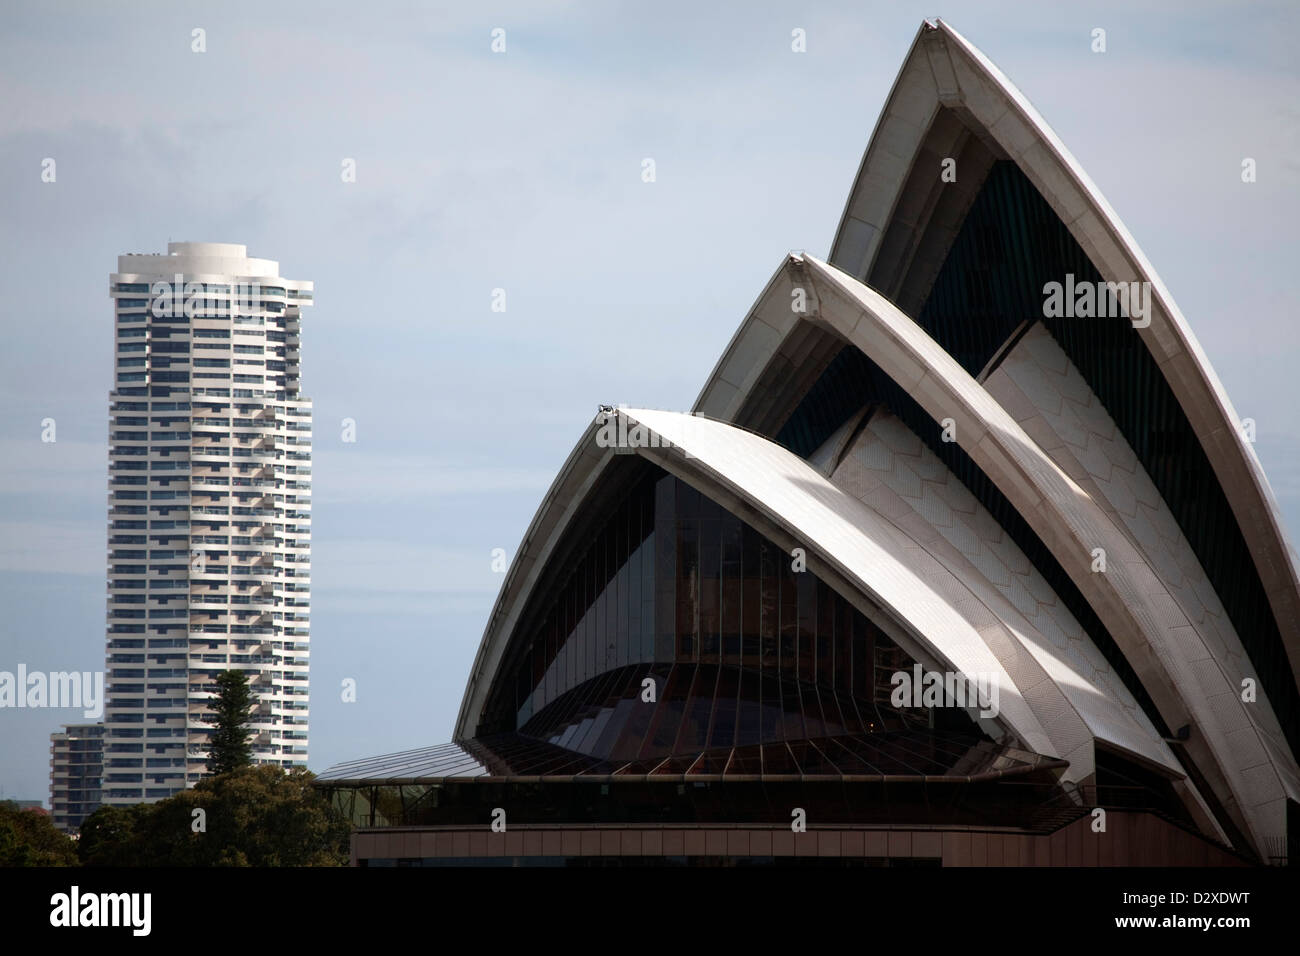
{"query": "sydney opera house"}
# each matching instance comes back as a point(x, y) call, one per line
point(977, 447)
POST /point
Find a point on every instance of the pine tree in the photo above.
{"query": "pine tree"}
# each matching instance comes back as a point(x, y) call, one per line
point(229, 748)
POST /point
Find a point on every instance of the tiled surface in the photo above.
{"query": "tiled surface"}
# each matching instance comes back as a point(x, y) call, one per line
point(1132, 602)
point(975, 545)
point(1037, 374)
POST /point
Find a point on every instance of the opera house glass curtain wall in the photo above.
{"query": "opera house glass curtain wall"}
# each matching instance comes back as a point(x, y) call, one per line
point(763, 653)
point(906, 462)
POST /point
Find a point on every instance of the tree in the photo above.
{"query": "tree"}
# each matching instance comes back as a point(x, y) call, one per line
point(228, 747)
point(106, 836)
point(28, 838)
point(255, 816)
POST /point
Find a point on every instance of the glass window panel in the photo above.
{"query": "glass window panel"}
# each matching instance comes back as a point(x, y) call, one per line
point(710, 510)
point(688, 502)
point(618, 592)
point(694, 733)
point(571, 706)
point(668, 713)
point(732, 589)
point(710, 588)
point(723, 731)
point(648, 597)
point(636, 563)
point(892, 758)
point(836, 723)
point(863, 673)
point(606, 693)
point(789, 589)
point(539, 657)
point(843, 644)
point(675, 766)
point(688, 587)
point(665, 569)
point(811, 760)
point(632, 715)
point(751, 598)
point(814, 721)
point(616, 653)
point(825, 635)
point(713, 763)
point(770, 708)
point(551, 638)
point(777, 759)
point(570, 625)
point(633, 637)
point(888, 660)
point(622, 734)
point(769, 623)
point(581, 671)
point(792, 712)
point(807, 618)
point(539, 698)
point(846, 754)
point(855, 715)
point(587, 743)
point(523, 681)
point(589, 599)
point(568, 733)
point(630, 589)
point(602, 600)
point(746, 760)
point(749, 729)
point(608, 687)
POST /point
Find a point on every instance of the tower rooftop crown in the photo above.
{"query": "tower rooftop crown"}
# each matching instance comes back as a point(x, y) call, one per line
point(228, 250)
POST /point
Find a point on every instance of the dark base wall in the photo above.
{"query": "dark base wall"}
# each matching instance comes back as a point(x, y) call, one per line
point(1131, 839)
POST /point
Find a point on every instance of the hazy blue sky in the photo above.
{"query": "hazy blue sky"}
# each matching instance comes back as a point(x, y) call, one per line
point(522, 171)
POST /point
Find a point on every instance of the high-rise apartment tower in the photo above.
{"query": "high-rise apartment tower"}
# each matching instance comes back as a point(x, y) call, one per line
point(76, 769)
point(209, 512)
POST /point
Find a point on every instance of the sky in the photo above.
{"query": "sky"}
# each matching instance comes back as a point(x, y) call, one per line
point(521, 170)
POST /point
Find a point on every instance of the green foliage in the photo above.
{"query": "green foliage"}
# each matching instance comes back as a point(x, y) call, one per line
point(106, 835)
point(28, 838)
point(255, 816)
point(228, 747)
